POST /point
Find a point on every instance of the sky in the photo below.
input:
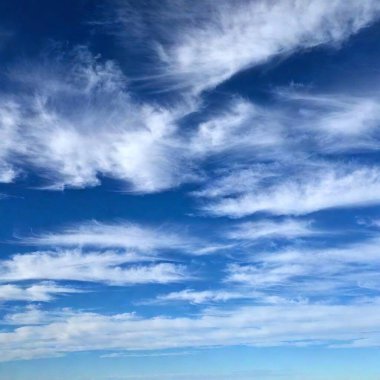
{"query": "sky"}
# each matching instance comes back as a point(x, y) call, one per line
point(189, 190)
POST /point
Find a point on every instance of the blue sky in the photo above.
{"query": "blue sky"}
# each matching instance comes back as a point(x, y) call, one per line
point(189, 190)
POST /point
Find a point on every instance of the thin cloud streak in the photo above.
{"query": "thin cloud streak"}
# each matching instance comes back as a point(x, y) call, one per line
point(108, 267)
point(324, 187)
point(122, 235)
point(312, 272)
point(38, 292)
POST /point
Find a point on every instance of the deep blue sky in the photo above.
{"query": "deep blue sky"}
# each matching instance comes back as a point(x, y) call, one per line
point(189, 190)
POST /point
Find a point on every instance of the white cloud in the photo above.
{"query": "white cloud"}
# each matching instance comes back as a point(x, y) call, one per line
point(333, 122)
point(32, 314)
point(9, 139)
point(242, 126)
point(272, 229)
point(75, 121)
point(223, 38)
point(235, 181)
point(312, 272)
point(223, 295)
point(142, 355)
point(42, 292)
point(308, 190)
point(121, 235)
point(200, 297)
point(104, 267)
point(287, 324)
point(345, 115)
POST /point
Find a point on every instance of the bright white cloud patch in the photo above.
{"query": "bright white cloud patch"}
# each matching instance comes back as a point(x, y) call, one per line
point(236, 36)
point(76, 121)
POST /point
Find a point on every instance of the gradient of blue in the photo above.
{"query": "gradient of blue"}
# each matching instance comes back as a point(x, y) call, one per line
point(26, 210)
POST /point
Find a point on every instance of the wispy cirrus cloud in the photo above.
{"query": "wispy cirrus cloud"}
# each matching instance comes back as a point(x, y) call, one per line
point(108, 267)
point(242, 127)
point(9, 135)
point(312, 272)
point(75, 121)
point(121, 235)
point(289, 129)
point(246, 293)
point(334, 122)
point(272, 229)
point(217, 40)
point(200, 296)
point(84, 102)
point(311, 189)
point(39, 292)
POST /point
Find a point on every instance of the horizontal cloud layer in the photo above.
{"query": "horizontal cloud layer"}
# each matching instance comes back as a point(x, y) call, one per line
point(59, 333)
